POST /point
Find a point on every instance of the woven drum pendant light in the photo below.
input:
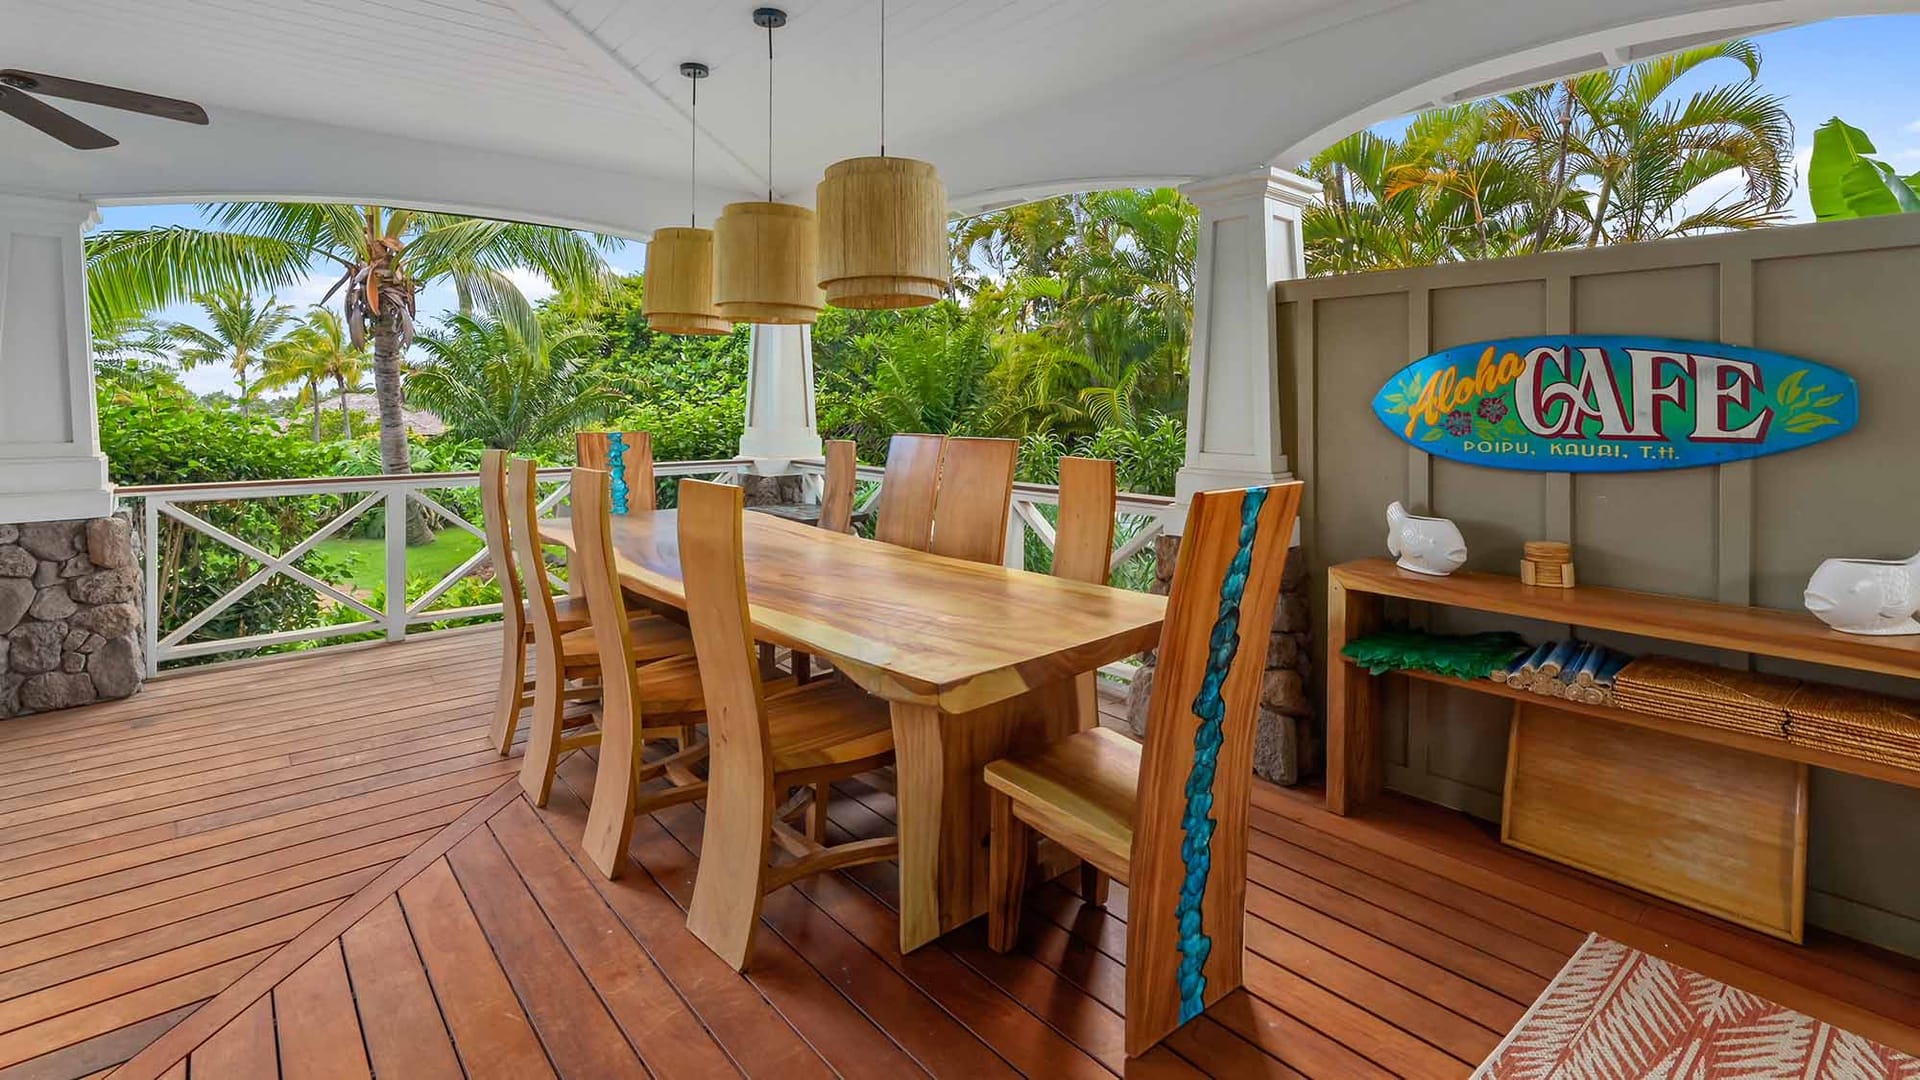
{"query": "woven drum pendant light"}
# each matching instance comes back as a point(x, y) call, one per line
point(765, 253)
point(883, 224)
point(679, 281)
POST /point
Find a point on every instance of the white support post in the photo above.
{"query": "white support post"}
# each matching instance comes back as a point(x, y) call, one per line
point(1249, 239)
point(51, 468)
point(780, 410)
point(395, 526)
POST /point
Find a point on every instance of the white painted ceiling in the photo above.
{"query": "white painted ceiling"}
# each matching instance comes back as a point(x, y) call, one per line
point(574, 112)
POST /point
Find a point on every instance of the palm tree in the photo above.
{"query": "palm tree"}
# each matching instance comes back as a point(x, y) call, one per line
point(384, 258)
point(240, 334)
point(510, 387)
point(316, 352)
point(1611, 157)
point(1646, 151)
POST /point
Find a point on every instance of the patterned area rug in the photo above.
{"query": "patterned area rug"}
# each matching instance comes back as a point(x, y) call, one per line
point(1615, 1013)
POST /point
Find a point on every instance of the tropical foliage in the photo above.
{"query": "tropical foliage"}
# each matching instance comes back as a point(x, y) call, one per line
point(1843, 182)
point(384, 258)
point(509, 387)
point(1612, 157)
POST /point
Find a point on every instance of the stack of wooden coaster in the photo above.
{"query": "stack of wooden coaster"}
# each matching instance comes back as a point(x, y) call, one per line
point(1548, 563)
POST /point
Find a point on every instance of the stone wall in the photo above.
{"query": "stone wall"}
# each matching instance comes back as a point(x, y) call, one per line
point(1287, 746)
point(69, 614)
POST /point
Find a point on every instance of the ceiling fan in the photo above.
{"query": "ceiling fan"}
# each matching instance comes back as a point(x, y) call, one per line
point(17, 90)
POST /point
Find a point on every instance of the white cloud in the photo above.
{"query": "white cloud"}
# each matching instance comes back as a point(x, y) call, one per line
point(1914, 127)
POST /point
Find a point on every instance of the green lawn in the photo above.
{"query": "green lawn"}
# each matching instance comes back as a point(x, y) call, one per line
point(367, 558)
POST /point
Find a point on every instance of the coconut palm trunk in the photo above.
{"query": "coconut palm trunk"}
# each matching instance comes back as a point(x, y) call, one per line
point(389, 346)
point(346, 414)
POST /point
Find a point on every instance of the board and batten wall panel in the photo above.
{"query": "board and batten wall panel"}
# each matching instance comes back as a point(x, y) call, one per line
point(1749, 532)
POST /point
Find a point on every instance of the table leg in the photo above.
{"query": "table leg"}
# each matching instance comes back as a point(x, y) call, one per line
point(944, 812)
point(1354, 768)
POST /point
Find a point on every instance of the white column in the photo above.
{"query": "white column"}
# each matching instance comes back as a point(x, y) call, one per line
point(51, 467)
point(780, 413)
point(1249, 239)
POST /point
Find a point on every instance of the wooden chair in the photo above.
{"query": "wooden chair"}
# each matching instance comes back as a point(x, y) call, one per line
point(836, 502)
point(905, 512)
point(1083, 551)
point(1130, 812)
point(670, 683)
point(764, 745)
point(627, 456)
point(516, 633)
point(649, 702)
point(975, 496)
point(836, 515)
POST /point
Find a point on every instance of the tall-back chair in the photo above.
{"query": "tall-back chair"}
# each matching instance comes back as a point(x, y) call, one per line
point(905, 515)
point(836, 501)
point(836, 515)
point(563, 656)
point(1170, 820)
point(1083, 551)
point(639, 701)
point(627, 457)
point(516, 632)
point(764, 745)
point(1083, 545)
point(975, 496)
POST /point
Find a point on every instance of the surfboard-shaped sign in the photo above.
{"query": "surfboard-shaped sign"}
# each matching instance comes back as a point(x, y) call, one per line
point(1612, 403)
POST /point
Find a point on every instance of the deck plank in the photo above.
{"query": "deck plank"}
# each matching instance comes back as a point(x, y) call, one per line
point(202, 881)
point(580, 1035)
point(318, 1025)
point(399, 1016)
point(246, 1047)
point(489, 1027)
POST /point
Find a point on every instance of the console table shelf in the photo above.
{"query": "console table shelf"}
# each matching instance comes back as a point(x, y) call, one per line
point(1355, 592)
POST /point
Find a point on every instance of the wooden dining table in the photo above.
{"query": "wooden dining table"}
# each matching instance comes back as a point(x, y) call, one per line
point(976, 661)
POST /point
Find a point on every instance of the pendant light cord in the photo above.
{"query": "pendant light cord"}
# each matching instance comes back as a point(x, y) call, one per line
point(693, 159)
point(883, 78)
point(769, 112)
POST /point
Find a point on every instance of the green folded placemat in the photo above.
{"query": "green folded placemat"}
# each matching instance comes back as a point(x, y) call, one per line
point(1463, 656)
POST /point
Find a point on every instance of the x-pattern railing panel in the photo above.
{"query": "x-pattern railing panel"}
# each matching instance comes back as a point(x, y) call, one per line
point(1147, 515)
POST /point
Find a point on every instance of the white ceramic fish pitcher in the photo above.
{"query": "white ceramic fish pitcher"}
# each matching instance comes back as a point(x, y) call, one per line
point(1424, 545)
point(1867, 596)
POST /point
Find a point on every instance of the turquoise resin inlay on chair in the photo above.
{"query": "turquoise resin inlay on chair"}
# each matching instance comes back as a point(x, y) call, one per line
point(1197, 824)
point(617, 465)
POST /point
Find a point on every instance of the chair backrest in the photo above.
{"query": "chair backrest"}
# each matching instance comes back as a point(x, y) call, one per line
point(626, 456)
point(907, 491)
point(493, 518)
point(523, 525)
point(836, 501)
point(1083, 533)
point(713, 567)
point(592, 509)
point(1190, 831)
point(975, 497)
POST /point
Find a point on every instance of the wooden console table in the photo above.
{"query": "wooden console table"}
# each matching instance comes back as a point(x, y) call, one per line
point(1355, 595)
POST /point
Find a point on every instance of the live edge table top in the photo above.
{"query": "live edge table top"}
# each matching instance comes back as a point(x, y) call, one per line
point(904, 624)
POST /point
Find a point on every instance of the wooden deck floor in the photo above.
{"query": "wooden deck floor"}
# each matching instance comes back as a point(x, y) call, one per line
point(314, 868)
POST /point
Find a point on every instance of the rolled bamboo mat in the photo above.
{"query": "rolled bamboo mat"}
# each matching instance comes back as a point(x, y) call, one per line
point(1819, 716)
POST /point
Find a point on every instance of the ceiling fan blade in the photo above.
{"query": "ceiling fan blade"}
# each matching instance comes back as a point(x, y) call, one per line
point(39, 114)
point(112, 97)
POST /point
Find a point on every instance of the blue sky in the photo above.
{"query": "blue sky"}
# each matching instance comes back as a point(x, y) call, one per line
point(1861, 70)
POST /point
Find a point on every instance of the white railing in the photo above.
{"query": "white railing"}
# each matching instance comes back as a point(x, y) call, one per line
point(395, 495)
point(1142, 518)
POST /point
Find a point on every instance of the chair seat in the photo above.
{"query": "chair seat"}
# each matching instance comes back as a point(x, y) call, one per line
point(569, 611)
point(653, 638)
point(1082, 791)
point(671, 686)
point(826, 723)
